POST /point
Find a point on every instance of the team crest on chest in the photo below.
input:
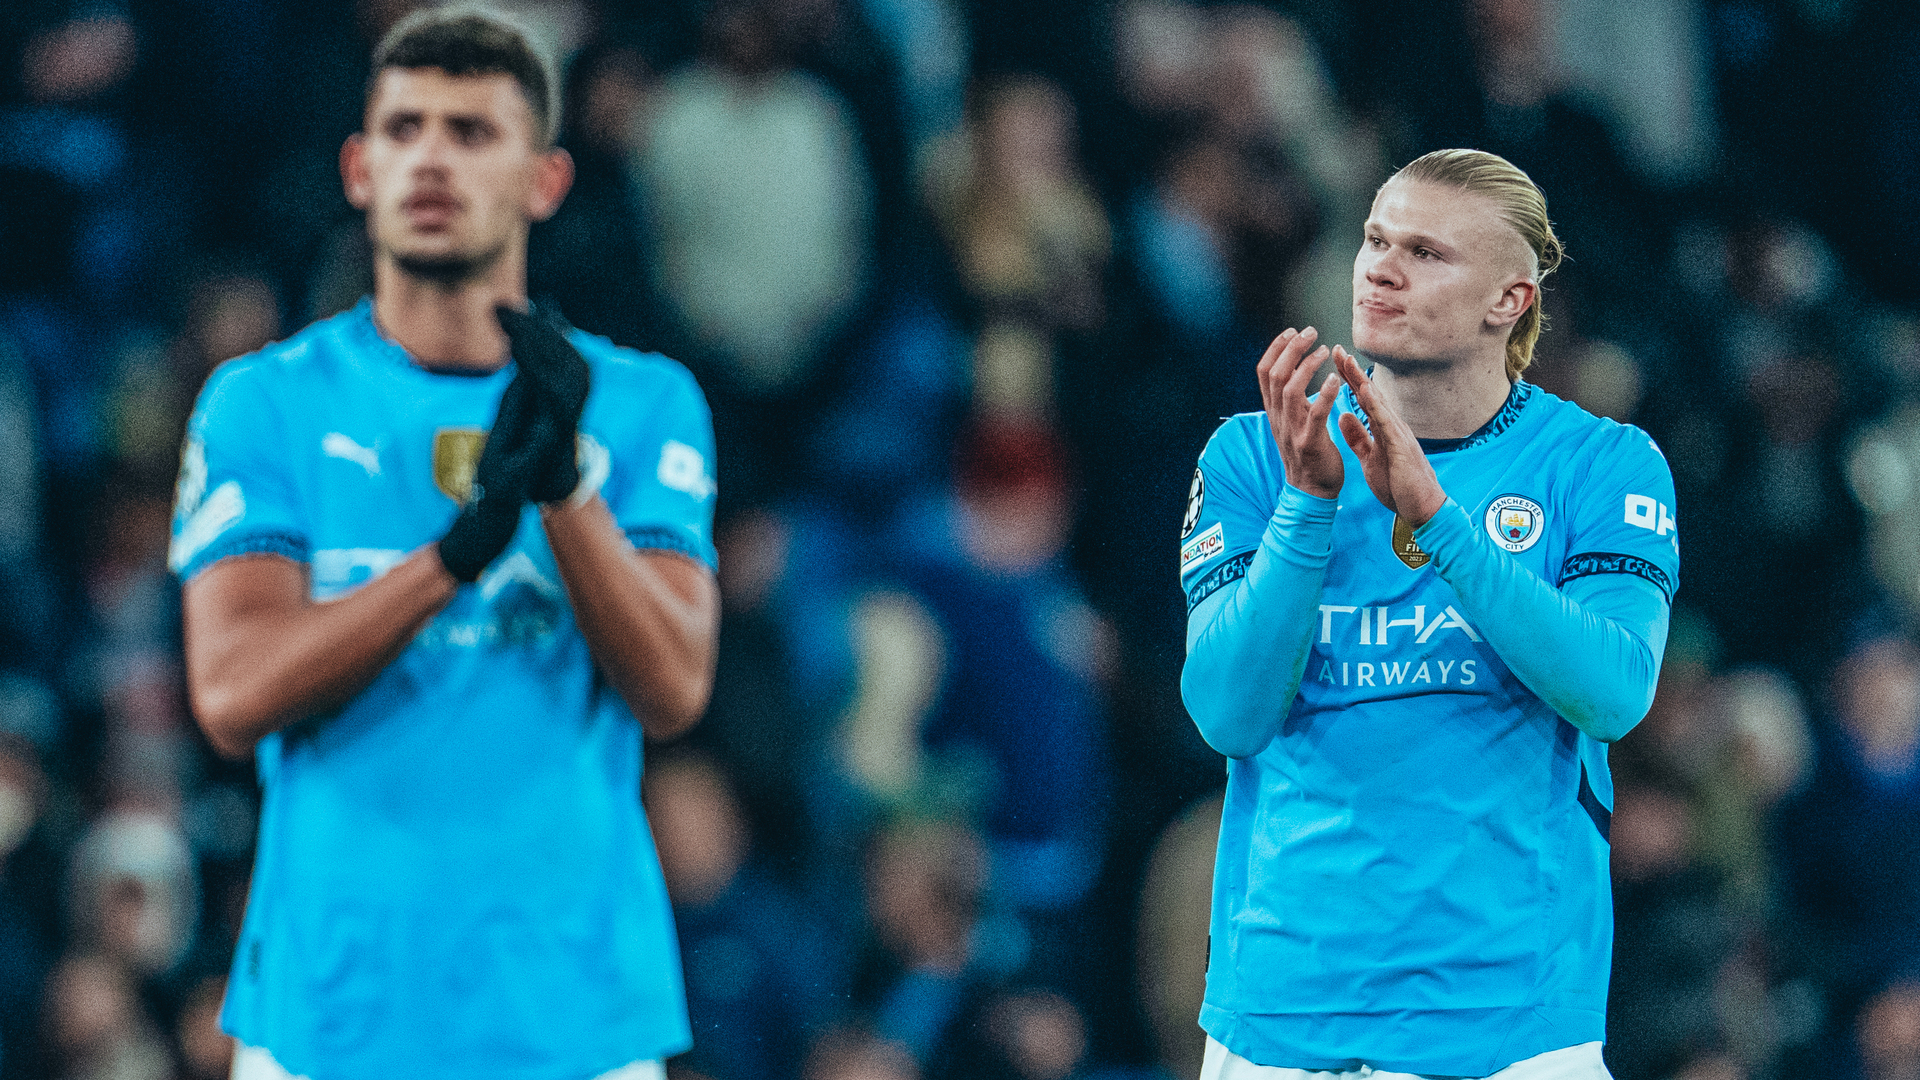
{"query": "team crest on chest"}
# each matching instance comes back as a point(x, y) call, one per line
point(1404, 547)
point(1515, 523)
point(456, 453)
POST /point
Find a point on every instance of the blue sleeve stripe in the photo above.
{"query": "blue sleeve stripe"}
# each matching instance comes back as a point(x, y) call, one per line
point(289, 545)
point(1218, 578)
point(659, 538)
point(1602, 817)
point(1588, 563)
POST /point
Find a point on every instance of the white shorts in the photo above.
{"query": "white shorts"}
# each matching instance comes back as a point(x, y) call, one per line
point(253, 1063)
point(1573, 1063)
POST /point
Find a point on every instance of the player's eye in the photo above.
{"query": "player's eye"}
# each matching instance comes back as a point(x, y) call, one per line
point(1422, 253)
point(402, 128)
point(469, 131)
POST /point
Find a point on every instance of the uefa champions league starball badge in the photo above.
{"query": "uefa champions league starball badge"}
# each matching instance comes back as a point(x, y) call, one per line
point(1196, 497)
point(1515, 523)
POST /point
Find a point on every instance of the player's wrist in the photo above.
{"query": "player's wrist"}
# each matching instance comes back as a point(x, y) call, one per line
point(1297, 480)
point(1423, 507)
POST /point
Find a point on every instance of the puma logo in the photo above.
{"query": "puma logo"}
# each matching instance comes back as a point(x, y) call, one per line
point(344, 448)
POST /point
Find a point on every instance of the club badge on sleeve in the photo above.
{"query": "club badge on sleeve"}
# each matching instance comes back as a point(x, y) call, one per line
point(1515, 523)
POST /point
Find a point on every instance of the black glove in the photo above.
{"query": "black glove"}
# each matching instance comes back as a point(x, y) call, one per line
point(501, 478)
point(540, 346)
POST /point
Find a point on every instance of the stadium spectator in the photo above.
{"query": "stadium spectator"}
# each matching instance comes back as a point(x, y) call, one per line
point(761, 970)
point(759, 199)
point(1849, 844)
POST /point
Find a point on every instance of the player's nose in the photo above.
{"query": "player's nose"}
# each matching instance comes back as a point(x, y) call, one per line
point(432, 149)
point(1385, 272)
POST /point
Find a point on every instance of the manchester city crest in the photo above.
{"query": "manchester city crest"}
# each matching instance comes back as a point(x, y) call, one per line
point(1515, 523)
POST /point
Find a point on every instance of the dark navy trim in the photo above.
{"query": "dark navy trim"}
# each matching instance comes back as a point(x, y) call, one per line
point(457, 372)
point(1602, 817)
point(1588, 563)
point(658, 538)
point(1509, 413)
point(1218, 578)
point(289, 545)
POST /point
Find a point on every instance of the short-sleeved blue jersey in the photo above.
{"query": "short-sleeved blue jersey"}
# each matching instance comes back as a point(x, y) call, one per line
point(454, 877)
point(1413, 874)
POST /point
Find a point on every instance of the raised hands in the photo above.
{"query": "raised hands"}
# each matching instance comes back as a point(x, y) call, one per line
point(1299, 426)
point(1390, 455)
point(559, 394)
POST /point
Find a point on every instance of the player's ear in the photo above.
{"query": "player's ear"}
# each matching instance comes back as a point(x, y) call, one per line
point(353, 171)
point(552, 179)
point(1513, 302)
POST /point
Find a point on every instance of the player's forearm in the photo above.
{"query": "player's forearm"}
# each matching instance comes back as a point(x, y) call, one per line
point(261, 656)
point(1247, 644)
point(652, 630)
point(1594, 664)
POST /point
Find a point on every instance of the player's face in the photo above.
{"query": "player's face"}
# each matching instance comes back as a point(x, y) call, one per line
point(1440, 277)
point(449, 171)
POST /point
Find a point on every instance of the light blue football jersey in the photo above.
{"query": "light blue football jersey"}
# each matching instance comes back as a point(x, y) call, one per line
point(1413, 874)
point(454, 877)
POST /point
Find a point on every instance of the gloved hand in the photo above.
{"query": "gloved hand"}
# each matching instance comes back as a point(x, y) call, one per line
point(559, 372)
point(501, 479)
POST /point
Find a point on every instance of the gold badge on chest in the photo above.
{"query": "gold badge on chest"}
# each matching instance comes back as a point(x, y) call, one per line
point(1403, 546)
point(456, 453)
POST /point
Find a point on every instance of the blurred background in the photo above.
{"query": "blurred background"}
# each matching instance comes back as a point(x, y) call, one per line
point(969, 283)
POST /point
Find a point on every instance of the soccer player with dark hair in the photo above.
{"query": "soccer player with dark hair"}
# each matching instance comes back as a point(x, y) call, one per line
point(446, 560)
point(1414, 642)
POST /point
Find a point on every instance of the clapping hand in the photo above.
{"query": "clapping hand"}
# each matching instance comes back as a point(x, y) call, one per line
point(1396, 467)
point(560, 381)
point(1299, 426)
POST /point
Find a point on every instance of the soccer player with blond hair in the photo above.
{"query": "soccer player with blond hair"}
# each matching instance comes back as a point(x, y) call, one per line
point(446, 560)
point(1421, 603)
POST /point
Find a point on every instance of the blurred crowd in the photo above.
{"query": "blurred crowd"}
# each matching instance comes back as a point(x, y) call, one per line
point(968, 284)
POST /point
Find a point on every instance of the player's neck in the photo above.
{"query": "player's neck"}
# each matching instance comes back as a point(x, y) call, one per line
point(446, 326)
point(1444, 401)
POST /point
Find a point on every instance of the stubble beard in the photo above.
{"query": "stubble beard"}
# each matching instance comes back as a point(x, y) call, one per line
point(1402, 366)
point(1399, 364)
point(450, 271)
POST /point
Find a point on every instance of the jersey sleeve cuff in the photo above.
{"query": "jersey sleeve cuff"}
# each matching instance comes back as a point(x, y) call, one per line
point(1446, 532)
point(287, 545)
point(1308, 506)
point(1301, 529)
point(660, 538)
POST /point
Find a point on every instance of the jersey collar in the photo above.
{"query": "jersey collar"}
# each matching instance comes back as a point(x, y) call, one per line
point(394, 353)
point(1517, 399)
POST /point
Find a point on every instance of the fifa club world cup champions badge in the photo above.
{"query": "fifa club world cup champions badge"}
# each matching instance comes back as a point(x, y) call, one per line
point(1404, 547)
point(456, 454)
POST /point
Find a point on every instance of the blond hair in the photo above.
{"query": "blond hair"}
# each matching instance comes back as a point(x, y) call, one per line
point(1522, 204)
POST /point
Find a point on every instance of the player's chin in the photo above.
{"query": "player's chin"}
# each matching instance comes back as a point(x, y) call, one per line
point(1370, 340)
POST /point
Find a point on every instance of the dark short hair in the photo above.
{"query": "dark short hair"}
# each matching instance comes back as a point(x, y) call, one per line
point(464, 41)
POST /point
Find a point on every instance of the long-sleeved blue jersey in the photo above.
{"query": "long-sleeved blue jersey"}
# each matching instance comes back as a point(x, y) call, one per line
point(1413, 862)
